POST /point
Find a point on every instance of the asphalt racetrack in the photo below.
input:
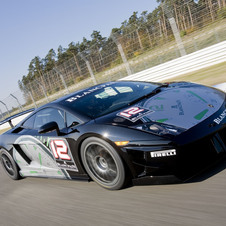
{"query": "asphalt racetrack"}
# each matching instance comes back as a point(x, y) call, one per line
point(38, 201)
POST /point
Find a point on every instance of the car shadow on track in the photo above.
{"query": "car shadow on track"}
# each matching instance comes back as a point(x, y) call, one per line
point(210, 172)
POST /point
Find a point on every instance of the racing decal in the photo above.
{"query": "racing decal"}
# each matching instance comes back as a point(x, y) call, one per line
point(179, 107)
point(155, 154)
point(134, 113)
point(158, 98)
point(60, 149)
point(162, 120)
point(48, 157)
point(220, 118)
point(62, 154)
point(78, 96)
point(157, 107)
point(200, 115)
point(196, 95)
point(41, 160)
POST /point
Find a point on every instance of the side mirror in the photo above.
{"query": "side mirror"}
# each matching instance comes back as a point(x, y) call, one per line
point(49, 127)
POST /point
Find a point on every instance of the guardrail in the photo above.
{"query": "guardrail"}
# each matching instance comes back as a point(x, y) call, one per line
point(200, 59)
point(221, 86)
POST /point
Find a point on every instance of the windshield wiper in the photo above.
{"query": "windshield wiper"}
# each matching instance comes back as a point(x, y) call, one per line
point(152, 93)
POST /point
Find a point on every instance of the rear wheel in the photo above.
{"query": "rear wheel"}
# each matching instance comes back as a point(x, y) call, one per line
point(103, 163)
point(9, 165)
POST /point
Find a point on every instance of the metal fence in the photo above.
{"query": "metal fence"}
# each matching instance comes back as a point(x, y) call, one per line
point(130, 49)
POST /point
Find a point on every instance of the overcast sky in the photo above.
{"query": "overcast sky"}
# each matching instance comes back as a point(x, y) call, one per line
point(30, 28)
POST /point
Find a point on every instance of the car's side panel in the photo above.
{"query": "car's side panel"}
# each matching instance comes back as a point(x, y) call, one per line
point(42, 162)
point(111, 133)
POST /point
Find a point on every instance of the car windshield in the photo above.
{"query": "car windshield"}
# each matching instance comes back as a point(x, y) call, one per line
point(109, 97)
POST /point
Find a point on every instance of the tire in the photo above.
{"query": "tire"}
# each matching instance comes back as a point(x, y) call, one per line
point(9, 165)
point(103, 163)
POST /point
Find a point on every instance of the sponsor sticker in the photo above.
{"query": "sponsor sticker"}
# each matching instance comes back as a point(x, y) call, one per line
point(220, 118)
point(179, 107)
point(156, 154)
point(134, 113)
point(62, 154)
point(85, 93)
point(67, 166)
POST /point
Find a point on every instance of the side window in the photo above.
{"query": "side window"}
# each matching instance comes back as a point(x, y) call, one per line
point(48, 115)
point(29, 123)
point(71, 120)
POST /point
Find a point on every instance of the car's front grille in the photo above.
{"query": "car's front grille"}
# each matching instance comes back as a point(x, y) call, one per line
point(198, 155)
point(189, 160)
point(222, 134)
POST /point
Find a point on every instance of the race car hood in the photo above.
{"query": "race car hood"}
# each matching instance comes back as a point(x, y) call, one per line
point(182, 105)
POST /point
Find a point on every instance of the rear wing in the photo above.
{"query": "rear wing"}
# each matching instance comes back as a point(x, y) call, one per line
point(9, 119)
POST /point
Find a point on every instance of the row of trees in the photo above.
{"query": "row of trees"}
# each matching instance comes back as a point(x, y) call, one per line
point(136, 35)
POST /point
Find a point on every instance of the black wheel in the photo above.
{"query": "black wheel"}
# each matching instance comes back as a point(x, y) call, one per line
point(9, 165)
point(102, 163)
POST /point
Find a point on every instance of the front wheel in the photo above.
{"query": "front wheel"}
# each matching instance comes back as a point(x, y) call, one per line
point(9, 165)
point(103, 163)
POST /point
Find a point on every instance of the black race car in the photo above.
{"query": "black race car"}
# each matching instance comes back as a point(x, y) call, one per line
point(118, 132)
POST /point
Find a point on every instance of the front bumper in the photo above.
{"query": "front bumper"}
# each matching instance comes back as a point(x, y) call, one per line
point(190, 160)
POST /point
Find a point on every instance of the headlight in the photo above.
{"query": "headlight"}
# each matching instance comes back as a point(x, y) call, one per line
point(160, 129)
